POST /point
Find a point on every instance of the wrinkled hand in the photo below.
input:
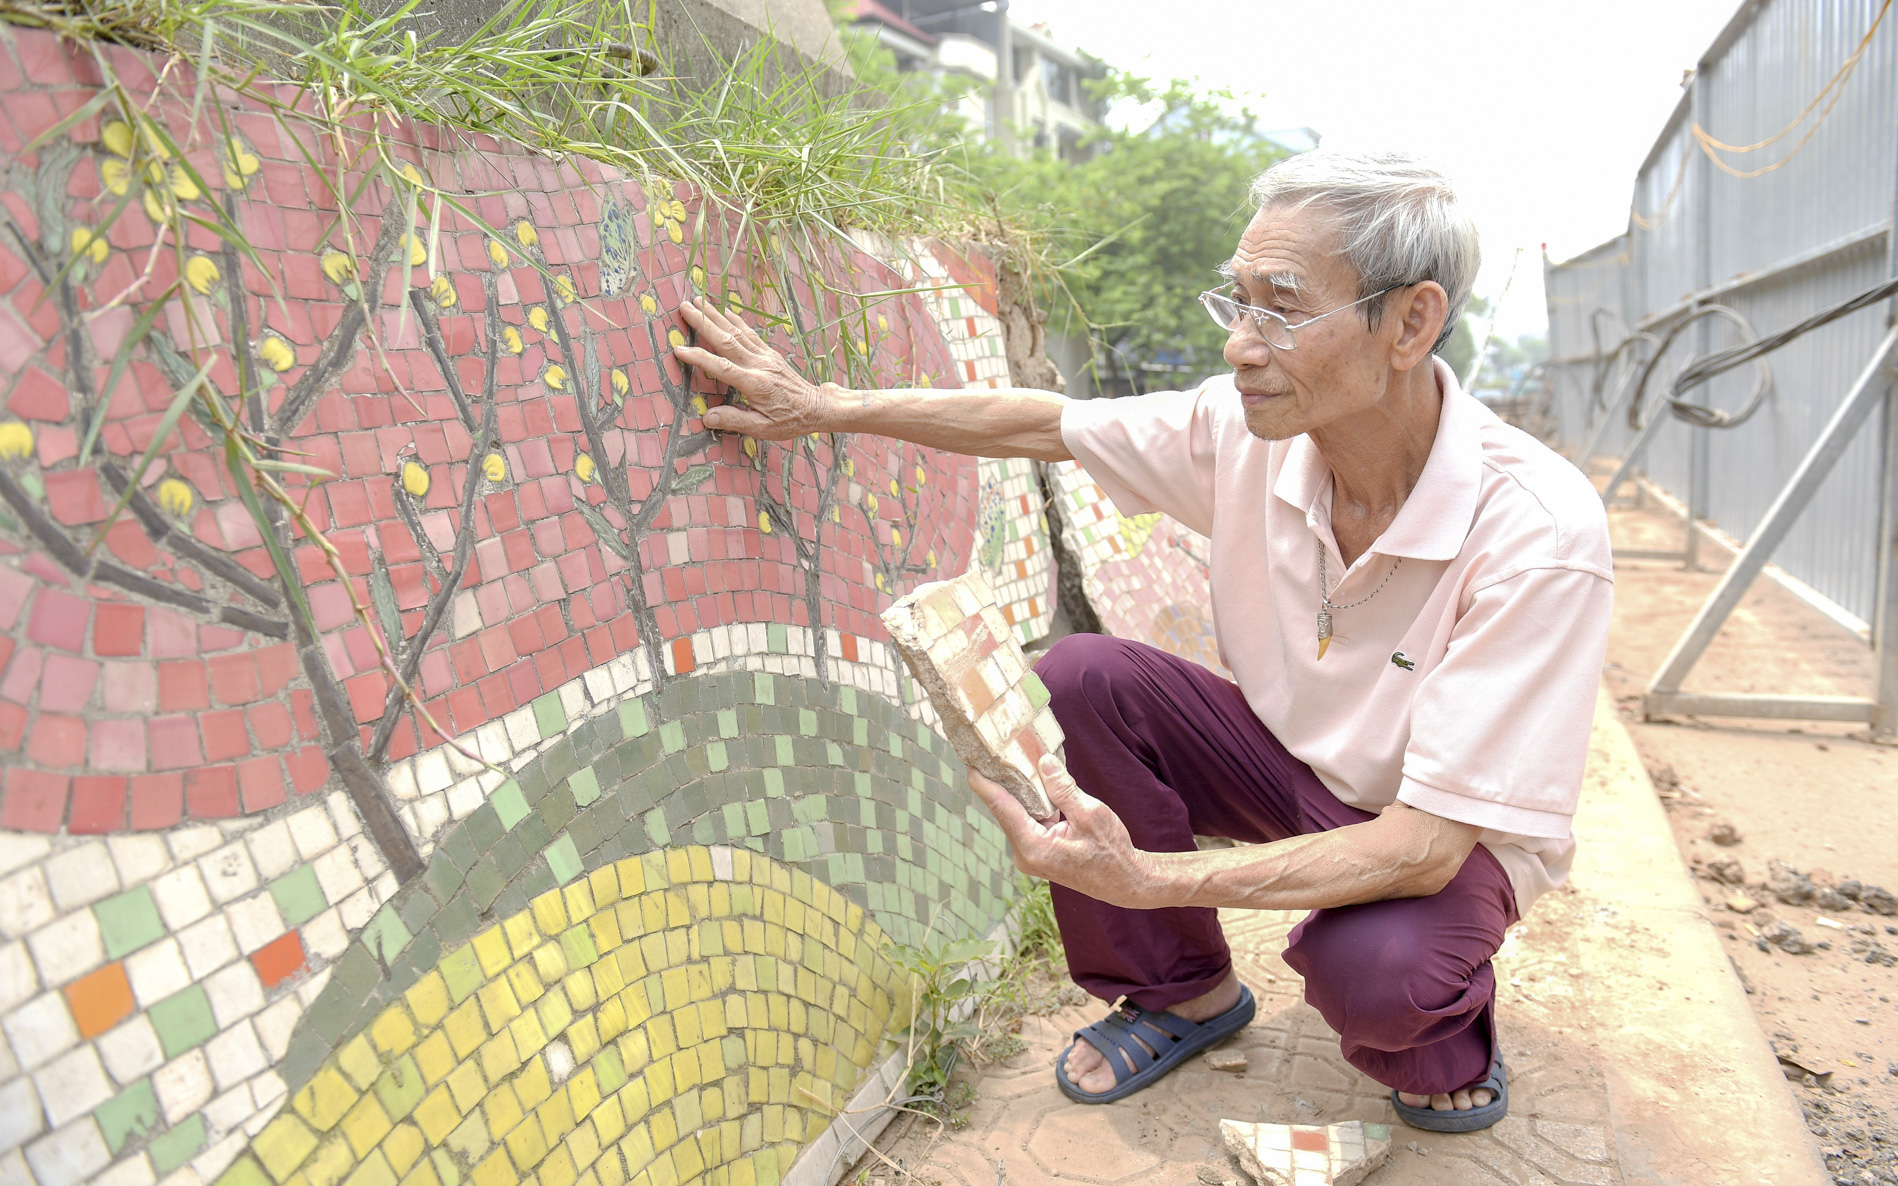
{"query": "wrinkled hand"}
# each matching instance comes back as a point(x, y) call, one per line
point(1084, 847)
point(778, 403)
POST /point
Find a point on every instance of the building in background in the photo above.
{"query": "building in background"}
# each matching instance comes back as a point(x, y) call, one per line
point(1039, 101)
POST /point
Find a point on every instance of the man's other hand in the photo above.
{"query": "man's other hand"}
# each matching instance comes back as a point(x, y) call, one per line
point(778, 403)
point(1084, 847)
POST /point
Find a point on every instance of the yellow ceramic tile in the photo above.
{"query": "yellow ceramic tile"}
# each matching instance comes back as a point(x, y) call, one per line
point(700, 978)
point(685, 1070)
point(437, 1114)
point(468, 1086)
point(685, 1022)
point(583, 1036)
point(331, 1162)
point(652, 913)
point(464, 1029)
point(608, 1119)
point(283, 1145)
point(578, 988)
point(491, 949)
point(756, 1089)
point(652, 950)
point(743, 1174)
point(579, 902)
point(604, 927)
point(722, 900)
point(664, 1129)
point(403, 1147)
point(637, 1148)
point(678, 946)
point(522, 937)
point(711, 1062)
point(435, 1057)
point(525, 982)
point(529, 1036)
point(688, 1160)
point(679, 866)
point(502, 1112)
point(678, 908)
point(712, 1105)
point(550, 913)
point(630, 959)
point(557, 1169)
point(606, 976)
point(550, 963)
point(497, 1170)
point(678, 992)
point(826, 1066)
point(428, 999)
point(637, 1002)
point(661, 1173)
point(393, 1032)
point(698, 900)
point(425, 1174)
point(632, 878)
point(554, 1012)
point(470, 1141)
point(780, 1092)
point(499, 1005)
point(603, 884)
point(527, 1144)
point(357, 1059)
point(634, 1100)
point(498, 1057)
point(534, 1086)
point(365, 1125)
point(635, 1051)
point(556, 1117)
point(611, 1018)
point(733, 1012)
point(659, 1082)
point(374, 1171)
point(324, 1099)
point(701, 860)
point(712, 1017)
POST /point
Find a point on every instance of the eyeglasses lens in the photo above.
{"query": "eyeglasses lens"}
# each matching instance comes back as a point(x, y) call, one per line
point(1226, 312)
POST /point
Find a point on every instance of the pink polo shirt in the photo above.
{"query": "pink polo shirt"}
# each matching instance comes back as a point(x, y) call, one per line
point(1466, 687)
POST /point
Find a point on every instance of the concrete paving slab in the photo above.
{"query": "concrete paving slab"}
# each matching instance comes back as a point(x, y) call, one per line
point(1634, 1057)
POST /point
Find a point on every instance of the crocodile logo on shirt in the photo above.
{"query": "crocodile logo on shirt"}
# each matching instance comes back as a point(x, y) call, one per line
point(1397, 658)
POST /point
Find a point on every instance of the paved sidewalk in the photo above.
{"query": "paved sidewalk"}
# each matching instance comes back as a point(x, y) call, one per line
point(1634, 1057)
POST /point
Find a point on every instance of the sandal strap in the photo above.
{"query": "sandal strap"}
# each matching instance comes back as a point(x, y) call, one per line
point(1143, 1035)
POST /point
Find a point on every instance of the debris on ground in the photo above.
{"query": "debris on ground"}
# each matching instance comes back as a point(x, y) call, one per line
point(1342, 1154)
point(1724, 834)
point(1233, 1061)
point(1779, 933)
point(1727, 870)
point(1741, 904)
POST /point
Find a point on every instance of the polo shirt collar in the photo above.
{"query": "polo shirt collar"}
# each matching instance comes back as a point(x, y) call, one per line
point(1434, 521)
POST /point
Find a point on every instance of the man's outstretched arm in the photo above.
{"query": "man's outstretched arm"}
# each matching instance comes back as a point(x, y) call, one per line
point(1403, 853)
point(779, 403)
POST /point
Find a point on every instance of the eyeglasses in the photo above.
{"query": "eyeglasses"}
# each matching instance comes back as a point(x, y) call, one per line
point(1276, 331)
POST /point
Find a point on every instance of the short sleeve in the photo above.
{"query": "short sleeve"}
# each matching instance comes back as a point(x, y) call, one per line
point(1499, 730)
point(1149, 452)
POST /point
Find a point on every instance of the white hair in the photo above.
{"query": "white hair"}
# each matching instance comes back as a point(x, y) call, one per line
point(1398, 221)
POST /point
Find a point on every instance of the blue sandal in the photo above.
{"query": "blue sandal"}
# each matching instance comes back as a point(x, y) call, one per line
point(1155, 1040)
point(1462, 1119)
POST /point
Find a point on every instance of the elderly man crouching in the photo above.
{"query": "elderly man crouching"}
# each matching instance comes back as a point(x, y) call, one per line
point(1413, 598)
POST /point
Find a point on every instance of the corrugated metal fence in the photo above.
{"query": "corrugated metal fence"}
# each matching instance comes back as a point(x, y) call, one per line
point(1775, 247)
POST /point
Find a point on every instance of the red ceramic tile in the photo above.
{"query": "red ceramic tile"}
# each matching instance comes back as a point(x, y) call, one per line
point(118, 744)
point(234, 678)
point(57, 742)
point(224, 734)
point(181, 685)
point(308, 769)
point(270, 724)
point(59, 620)
point(12, 726)
point(174, 743)
point(260, 783)
point(74, 497)
point(66, 682)
point(276, 666)
point(15, 586)
point(211, 792)
point(119, 629)
point(157, 801)
point(98, 805)
point(682, 659)
point(38, 396)
point(34, 800)
point(367, 693)
point(280, 959)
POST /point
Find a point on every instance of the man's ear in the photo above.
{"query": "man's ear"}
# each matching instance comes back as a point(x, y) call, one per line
point(1419, 312)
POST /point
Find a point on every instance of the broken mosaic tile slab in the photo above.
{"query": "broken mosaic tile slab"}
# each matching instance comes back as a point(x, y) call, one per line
point(1307, 1154)
point(994, 708)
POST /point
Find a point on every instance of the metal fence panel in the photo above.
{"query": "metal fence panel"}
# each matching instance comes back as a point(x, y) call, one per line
point(1698, 233)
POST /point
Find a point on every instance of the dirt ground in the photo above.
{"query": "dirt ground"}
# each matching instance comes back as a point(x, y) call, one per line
point(1817, 798)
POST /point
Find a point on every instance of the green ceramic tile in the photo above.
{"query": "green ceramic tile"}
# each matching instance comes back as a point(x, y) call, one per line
point(386, 935)
point(847, 700)
point(463, 973)
point(632, 718)
point(763, 690)
point(183, 1020)
point(400, 1087)
point(576, 943)
point(550, 716)
point(563, 860)
point(131, 1113)
point(510, 805)
point(672, 736)
point(298, 896)
point(784, 754)
point(585, 786)
point(128, 921)
point(715, 757)
point(807, 722)
point(656, 827)
point(776, 639)
point(728, 722)
point(179, 1145)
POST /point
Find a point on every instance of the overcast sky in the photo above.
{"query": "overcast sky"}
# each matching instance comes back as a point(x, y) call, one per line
point(1542, 112)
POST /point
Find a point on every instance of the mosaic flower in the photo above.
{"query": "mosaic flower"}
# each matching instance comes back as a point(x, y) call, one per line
point(525, 234)
point(883, 323)
point(621, 387)
point(764, 522)
point(555, 377)
point(563, 289)
point(675, 337)
point(494, 467)
point(932, 558)
point(675, 231)
point(175, 496)
point(116, 176)
point(16, 441)
point(647, 303)
point(895, 490)
point(277, 354)
point(537, 317)
point(337, 266)
point(239, 163)
point(412, 174)
point(183, 185)
point(922, 476)
point(870, 500)
point(415, 478)
point(117, 137)
point(698, 277)
point(583, 467)
point(442, 291)
point(418, 251)
point(511, 339)
point(497, 253)
point(201, 274)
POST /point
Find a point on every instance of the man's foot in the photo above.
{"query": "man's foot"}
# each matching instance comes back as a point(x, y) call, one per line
point(1453, 1101)
point(1088, 1069)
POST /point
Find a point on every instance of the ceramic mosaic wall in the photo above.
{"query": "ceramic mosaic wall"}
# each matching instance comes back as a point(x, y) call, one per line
point(257, 923)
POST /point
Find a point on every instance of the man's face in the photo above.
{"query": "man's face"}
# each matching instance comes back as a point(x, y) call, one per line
point(1288, 262)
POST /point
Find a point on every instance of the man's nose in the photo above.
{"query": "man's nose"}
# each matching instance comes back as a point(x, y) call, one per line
point(1244, 347)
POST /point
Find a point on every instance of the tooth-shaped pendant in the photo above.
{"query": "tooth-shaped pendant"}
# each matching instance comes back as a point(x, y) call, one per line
point(1324, 633)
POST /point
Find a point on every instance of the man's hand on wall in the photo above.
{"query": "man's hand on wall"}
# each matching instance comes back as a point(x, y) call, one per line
point(778, 402)
point(1085, 847)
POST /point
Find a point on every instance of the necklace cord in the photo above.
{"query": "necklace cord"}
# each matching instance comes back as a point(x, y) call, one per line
point(1325, 598)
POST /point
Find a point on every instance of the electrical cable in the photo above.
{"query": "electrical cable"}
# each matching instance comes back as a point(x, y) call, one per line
point(1725, 360)
point(1692, 413)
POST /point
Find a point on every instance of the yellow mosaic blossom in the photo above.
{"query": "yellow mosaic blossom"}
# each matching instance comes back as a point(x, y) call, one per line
point(116, 176)
point(647, 303)
point(183, 186)
point(537, 317)
point(415, 478)
point(850, 468)
point(201, 273)
point(675, 337)
point(583, 467)
point(418, 251)
point(836, 513)
point(896, 538)
point(494, 467)
point(156, 208)
point(764, 522)
point(657, 212)
point(175, 496)
point(525, 234)
point(678, 210)
point(922, 478)
point(563, 289)
point(621, 387)
point(751, 448)
point(338, 266)
point(895, 490)
point(698, 277)
point(442, 292)
point(555, 377)
point(497, 253)
point(698, 405)
point(276, 353)
point(870, 500)
point(932, 558)
point(90, 242)
point(240, 166)
point(511, 338)
point(675, 231)
point(880, 581)
point(16, 440)
point(117, 137)
point(731, 303)
point(883, 323)
point(413, 174)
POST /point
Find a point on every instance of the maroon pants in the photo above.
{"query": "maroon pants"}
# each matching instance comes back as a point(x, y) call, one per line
point(1175, 750)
